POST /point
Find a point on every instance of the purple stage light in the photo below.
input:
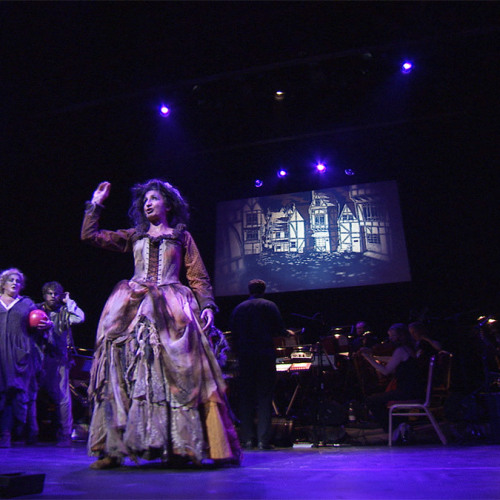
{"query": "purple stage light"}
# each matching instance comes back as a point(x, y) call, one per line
point(282, 172)
point(406, 67)
point(258, 183)
point(321, 167)
point(348, 171)
point(164, 110)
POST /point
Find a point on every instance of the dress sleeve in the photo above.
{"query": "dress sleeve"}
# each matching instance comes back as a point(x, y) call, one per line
point(119, 241)
point(197, 275)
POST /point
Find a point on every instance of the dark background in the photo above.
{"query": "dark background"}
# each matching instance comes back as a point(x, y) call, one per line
point(81, 82)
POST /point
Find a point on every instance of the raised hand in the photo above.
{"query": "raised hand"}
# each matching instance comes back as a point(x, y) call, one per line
point(101, 193)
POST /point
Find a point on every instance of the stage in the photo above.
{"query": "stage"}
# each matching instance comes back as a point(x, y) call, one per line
point(346, 472)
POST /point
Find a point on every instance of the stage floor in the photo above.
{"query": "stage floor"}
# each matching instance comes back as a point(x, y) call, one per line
point(345, 472)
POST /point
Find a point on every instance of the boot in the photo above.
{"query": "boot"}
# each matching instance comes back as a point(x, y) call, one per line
point(64, 442)
point(5, 439)
point(31, 439)
point(106, 462)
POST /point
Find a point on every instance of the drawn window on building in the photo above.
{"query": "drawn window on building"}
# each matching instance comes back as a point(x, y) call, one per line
point(371, 212)
point(373, 238)
point(319, 220)
point(321, 244)
point(293, 244)
point(251, 235)
point(252, 218)
point(347, 216)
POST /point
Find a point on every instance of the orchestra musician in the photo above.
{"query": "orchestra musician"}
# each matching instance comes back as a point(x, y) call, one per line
point(402, 366)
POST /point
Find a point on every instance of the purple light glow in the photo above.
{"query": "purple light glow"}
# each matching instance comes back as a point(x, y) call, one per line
point(321, 167)
point(164, 110)
point(406, 67)
point(258, 183)
point(282, 172)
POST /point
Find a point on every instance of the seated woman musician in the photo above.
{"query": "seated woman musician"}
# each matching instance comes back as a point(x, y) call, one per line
point(402, 365)
point(424, 344)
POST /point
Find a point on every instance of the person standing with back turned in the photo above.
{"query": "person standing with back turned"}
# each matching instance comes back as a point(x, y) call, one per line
point(254, 323)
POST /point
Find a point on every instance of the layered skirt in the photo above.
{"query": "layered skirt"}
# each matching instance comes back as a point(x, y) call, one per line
point(156, 388)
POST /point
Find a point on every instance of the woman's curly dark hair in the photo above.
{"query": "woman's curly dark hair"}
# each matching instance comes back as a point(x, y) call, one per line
point(179, 208)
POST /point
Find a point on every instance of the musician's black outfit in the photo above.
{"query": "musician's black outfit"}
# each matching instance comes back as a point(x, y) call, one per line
point(254, 323)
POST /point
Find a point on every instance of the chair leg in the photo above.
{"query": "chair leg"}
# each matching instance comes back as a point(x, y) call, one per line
point(390, 428)
point(436, 426)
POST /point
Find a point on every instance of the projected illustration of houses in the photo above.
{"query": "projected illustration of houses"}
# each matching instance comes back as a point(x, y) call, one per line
point(331, 224)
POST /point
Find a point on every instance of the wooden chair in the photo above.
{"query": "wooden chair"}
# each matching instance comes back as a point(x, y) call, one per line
point(415, 408)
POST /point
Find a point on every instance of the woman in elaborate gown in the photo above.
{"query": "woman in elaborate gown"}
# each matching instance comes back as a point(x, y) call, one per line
point(156, 388)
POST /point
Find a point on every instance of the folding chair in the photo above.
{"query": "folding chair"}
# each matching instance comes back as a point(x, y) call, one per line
point(414, 408)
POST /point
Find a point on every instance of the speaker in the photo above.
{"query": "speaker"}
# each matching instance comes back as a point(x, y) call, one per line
point(19, 483)
point(283, 435)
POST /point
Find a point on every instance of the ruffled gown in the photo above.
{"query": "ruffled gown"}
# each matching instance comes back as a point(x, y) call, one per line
point(156, 387)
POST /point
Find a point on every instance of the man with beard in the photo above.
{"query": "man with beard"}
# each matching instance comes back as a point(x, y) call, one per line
point(54, 377)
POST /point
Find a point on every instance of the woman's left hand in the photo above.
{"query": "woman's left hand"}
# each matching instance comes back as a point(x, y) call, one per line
point(207, 316)
point(45, 324)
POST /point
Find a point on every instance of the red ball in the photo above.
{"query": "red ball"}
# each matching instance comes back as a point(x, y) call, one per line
point(36, 316)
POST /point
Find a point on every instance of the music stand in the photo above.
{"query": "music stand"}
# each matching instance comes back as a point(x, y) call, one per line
point(319, 422)
point(314, 333)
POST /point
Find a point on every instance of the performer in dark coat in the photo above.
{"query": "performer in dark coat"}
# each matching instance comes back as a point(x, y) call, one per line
point(254, 324)
point(20, 358)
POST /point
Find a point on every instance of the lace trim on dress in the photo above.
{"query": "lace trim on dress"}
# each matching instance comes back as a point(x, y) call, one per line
point(174, 237)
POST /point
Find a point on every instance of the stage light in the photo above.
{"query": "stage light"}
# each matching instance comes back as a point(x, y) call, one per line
point(282, 173)
point(258, 183)
point(279, 95)
point(321, 167)
point(486, 320)
point(349, 171)
point(406, 67)
point(164, 110)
